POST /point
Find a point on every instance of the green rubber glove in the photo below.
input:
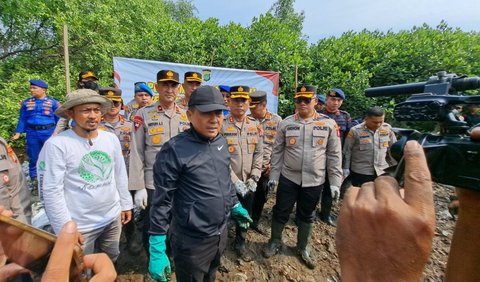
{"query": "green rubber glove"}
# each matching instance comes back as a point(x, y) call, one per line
point(159, 266)
point(240, 215)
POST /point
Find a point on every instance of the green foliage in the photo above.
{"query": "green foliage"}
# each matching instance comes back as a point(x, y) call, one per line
point(31, 46)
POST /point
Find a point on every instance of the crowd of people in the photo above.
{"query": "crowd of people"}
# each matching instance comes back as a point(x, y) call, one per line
point(189, 167)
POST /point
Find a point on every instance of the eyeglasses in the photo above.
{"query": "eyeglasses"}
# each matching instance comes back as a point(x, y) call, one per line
point(305, 100)
point(116, 103)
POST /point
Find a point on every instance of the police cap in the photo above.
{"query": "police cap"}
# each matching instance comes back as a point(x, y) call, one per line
point(167, 75)
point(305, 90)
point(336, 92)
point(257, 97)
point(40, 83)
point(239, 92)
point(193, 76)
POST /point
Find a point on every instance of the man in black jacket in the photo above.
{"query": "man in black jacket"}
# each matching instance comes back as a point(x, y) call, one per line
point(194, 195)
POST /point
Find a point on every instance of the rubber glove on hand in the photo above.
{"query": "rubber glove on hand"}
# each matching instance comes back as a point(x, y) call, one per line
point(272, 186)
point(159, 265)
point(335, 192)
point(251, 184)
point(140, 199)
point(346, 173)
point(240, 215)
point(241, 188)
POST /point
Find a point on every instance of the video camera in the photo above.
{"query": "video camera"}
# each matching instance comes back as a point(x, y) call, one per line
point(453, 158)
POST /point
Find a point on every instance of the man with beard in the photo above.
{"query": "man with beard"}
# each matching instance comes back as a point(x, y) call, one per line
point(82, 175)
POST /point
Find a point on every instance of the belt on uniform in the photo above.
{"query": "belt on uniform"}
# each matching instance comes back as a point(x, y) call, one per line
point(41, 127)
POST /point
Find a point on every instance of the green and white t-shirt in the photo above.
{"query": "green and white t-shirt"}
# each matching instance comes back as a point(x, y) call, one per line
point(82, 182)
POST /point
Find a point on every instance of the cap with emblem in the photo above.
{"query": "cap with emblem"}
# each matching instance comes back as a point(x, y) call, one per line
point(336, 92)
point(207, 99)
point(168, 75)
point(321, 99)
point(38, 82)
point(239, 92)
point(111, 93)
point(257, 97)
point(143, 87)
point(193, 76)
point(87, 74)
point(305, 90)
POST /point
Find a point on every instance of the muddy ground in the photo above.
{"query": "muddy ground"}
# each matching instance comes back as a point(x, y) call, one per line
point(287, 267)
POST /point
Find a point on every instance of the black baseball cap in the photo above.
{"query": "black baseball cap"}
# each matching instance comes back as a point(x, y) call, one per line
point(206, 99)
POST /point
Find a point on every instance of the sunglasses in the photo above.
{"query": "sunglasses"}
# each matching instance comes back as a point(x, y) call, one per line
point(305, 100)
point(116, 103)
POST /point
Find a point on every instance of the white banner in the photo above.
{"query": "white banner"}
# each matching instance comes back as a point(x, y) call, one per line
point(127, 71)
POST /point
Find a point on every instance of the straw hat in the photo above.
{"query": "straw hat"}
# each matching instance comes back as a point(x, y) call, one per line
point(84, 96)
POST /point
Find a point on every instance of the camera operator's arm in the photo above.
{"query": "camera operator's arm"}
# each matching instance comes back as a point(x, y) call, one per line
point(382, 236)
point(464, 258)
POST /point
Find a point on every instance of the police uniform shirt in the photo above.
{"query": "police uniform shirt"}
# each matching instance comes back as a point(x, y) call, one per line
point(245, 146)
point(366, 151)
point(183, 104)
point(343, 120)
point(13, 189)
point(123, 129)
point(269, 128)
point(153, 126)
point(305, 149)
point(37, 114)
point(131, 109)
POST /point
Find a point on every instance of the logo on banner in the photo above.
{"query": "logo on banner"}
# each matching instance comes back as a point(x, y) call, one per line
point(206, 74)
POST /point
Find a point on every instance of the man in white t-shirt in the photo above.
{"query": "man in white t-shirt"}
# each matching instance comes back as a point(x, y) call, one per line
point(82, 175)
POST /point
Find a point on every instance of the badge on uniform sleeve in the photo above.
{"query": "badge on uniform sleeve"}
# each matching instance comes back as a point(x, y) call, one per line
point(292, 141)
point(231, 149)
point(126, 145)
point(137, 122)
point(320, 141)
point(385, 144)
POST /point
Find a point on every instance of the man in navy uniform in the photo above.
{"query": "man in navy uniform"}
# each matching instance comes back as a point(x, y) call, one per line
point(38, 121)
point(333, 102)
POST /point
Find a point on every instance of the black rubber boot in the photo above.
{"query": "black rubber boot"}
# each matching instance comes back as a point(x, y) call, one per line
point(275, 243)
point(303, 236)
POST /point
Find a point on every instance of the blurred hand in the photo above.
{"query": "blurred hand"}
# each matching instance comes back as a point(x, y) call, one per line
point(382, 236)
point(140, 198)
point(335, 192)
point(126, 216)
point(241, 188)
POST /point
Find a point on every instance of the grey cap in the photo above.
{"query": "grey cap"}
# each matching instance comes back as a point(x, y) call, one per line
point(207, 99)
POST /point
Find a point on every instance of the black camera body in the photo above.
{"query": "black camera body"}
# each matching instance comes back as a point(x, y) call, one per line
point(453, 158)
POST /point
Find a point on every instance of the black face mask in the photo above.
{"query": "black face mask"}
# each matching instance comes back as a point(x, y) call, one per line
point(89, 84)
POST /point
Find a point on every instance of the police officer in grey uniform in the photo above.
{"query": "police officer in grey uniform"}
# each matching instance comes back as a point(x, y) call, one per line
point(153, 126)
point(191, 81)
point(366, 148)
point(142, 98)
point(269, 122)
point(333, 102)
point(14, 194)
point(243, 134)
point(117, 124)
point(306, 147)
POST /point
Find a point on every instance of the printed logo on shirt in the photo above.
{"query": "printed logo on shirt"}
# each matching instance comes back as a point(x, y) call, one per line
point(41, 166)
point(96, 167)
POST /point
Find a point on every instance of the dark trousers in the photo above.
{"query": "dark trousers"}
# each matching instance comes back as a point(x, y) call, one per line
point(146, 223)
point(197, 259)
point(326, 200)
point(358, 179)
point(260, 198)
point(247, 202)
point(35, 141)
point(289, 193)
